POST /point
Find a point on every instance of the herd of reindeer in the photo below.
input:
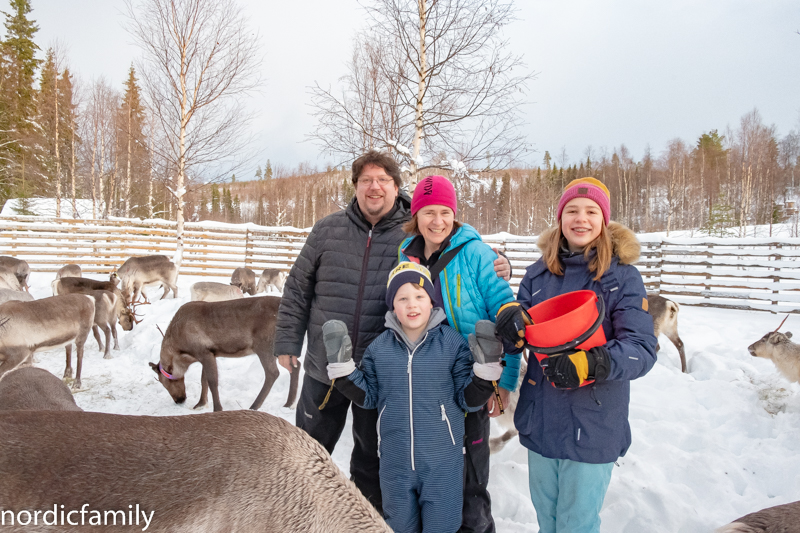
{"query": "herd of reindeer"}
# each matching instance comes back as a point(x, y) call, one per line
point(218, 471)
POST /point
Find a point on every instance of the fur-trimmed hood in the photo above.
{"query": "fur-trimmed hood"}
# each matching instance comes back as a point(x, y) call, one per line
point(626, 245)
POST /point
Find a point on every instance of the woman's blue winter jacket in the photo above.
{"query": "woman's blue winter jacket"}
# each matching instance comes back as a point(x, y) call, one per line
point(471, 290)
point(589, 424)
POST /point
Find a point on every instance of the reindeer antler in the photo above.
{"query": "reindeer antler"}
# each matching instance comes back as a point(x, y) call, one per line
point(784, 320)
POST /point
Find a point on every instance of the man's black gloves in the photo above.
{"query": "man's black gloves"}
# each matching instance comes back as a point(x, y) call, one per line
point(511, 322)
point(570, 370)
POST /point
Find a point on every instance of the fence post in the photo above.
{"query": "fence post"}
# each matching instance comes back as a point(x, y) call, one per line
point(707, 286)
point(248, 249)
point(776, 279)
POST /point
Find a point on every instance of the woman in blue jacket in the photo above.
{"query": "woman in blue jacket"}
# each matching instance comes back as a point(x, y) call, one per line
point(574, 433)
point(468, 290)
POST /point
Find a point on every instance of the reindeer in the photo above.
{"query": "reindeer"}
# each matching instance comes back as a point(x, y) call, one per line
point(210, 291)
point(69, 271)
point(245, 279)
point(779, 519)
point(780, 350)
point(665, 320)
point(9, 281)
point(9, 294)
point(34, 389)
point(237, 471)
point(202, 331)
point(46, 324)
point(108, 307)
point(271, 277)
point(18, 267)
point(137, 272)
point(125, 315)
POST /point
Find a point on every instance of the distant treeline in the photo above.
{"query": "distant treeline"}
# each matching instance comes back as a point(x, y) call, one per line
point(719, 183)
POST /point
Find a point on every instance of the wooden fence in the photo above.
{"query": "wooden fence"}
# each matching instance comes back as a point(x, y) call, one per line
point(753, 274)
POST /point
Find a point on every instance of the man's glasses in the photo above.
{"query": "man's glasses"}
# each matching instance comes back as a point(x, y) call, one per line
point(384, 180)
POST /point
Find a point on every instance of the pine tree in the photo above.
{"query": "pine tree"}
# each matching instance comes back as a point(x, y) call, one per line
point(268, 171)
point(215, 201)
point(132, 146)
point(504, 204)
point(258, 173)
point(227, 204)
point(18, 66)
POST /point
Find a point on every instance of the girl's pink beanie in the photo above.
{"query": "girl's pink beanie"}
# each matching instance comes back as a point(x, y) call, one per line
point(587, 188)
point(434, 190)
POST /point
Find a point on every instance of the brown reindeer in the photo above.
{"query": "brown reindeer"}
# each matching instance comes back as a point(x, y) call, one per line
point(18, 267)
point(122, 313)
point(69, 271)
point(9, 294)
point(34, 389)
point(211, 291)
point(245, 279)
point(271, 277)
point(46, 324)
point(136, 272)
point(239, 471)
point(202, 331)
point(779, 519)
point(665, 320)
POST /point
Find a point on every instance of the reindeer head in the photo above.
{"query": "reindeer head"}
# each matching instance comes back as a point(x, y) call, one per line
point(769, 343)
point(176, 387)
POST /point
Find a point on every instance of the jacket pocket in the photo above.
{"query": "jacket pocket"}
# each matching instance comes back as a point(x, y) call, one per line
point(523, 413)
point(378, 427)
point(593, 428)
point(445, 419)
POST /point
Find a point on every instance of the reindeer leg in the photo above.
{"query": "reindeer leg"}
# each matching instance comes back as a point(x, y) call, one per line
point(294, 378)
point(96, 333)
point(79, 345)
point(114, 334)
point(107, 330)
point(676, 340)
point(68, 369)
point(271, 373)
point(203, 392)
point(210, 372)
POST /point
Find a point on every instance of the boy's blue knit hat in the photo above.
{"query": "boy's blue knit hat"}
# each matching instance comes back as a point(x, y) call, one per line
point(408, 272)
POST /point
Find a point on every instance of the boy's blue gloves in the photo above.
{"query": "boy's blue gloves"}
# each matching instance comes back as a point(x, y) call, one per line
point(338, 348)
point(570, 370)
point(511, 322)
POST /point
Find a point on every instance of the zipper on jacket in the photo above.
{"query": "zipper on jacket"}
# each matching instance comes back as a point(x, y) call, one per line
point(379, 430)
point(452, 317)
point(360, 296)
point(411, 396)
point(449, 427)
point(458, 290)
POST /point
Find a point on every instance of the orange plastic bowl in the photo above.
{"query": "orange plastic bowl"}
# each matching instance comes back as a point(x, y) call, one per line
point(563, 319)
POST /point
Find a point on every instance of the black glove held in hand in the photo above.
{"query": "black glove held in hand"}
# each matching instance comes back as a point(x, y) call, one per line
point(338, 346)
point(569, 370)
point(485, 346)
point(511, 322)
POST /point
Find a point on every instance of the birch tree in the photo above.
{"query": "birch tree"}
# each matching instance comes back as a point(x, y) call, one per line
point(199, 58)
point(446, 84)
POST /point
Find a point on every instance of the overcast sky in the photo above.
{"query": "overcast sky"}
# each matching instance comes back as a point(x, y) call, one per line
point(609, 72)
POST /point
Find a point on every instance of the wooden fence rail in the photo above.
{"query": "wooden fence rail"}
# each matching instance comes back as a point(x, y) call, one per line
point(753, 274)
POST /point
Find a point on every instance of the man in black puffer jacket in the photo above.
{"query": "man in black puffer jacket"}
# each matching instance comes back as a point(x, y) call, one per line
point(341, 274)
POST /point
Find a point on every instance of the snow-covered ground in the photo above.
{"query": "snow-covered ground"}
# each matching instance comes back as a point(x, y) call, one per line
point(708, 446)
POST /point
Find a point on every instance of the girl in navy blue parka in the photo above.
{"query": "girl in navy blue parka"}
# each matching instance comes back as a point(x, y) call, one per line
point(575, 433)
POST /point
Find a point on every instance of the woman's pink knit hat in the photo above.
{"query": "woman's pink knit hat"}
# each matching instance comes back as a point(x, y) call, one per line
point(434, 190)
point(586, 188)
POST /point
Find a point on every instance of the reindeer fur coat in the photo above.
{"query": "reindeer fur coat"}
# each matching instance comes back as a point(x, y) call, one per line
point(589, 424)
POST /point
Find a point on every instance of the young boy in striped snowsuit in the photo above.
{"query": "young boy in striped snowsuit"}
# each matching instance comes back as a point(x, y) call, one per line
point(419, 375)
